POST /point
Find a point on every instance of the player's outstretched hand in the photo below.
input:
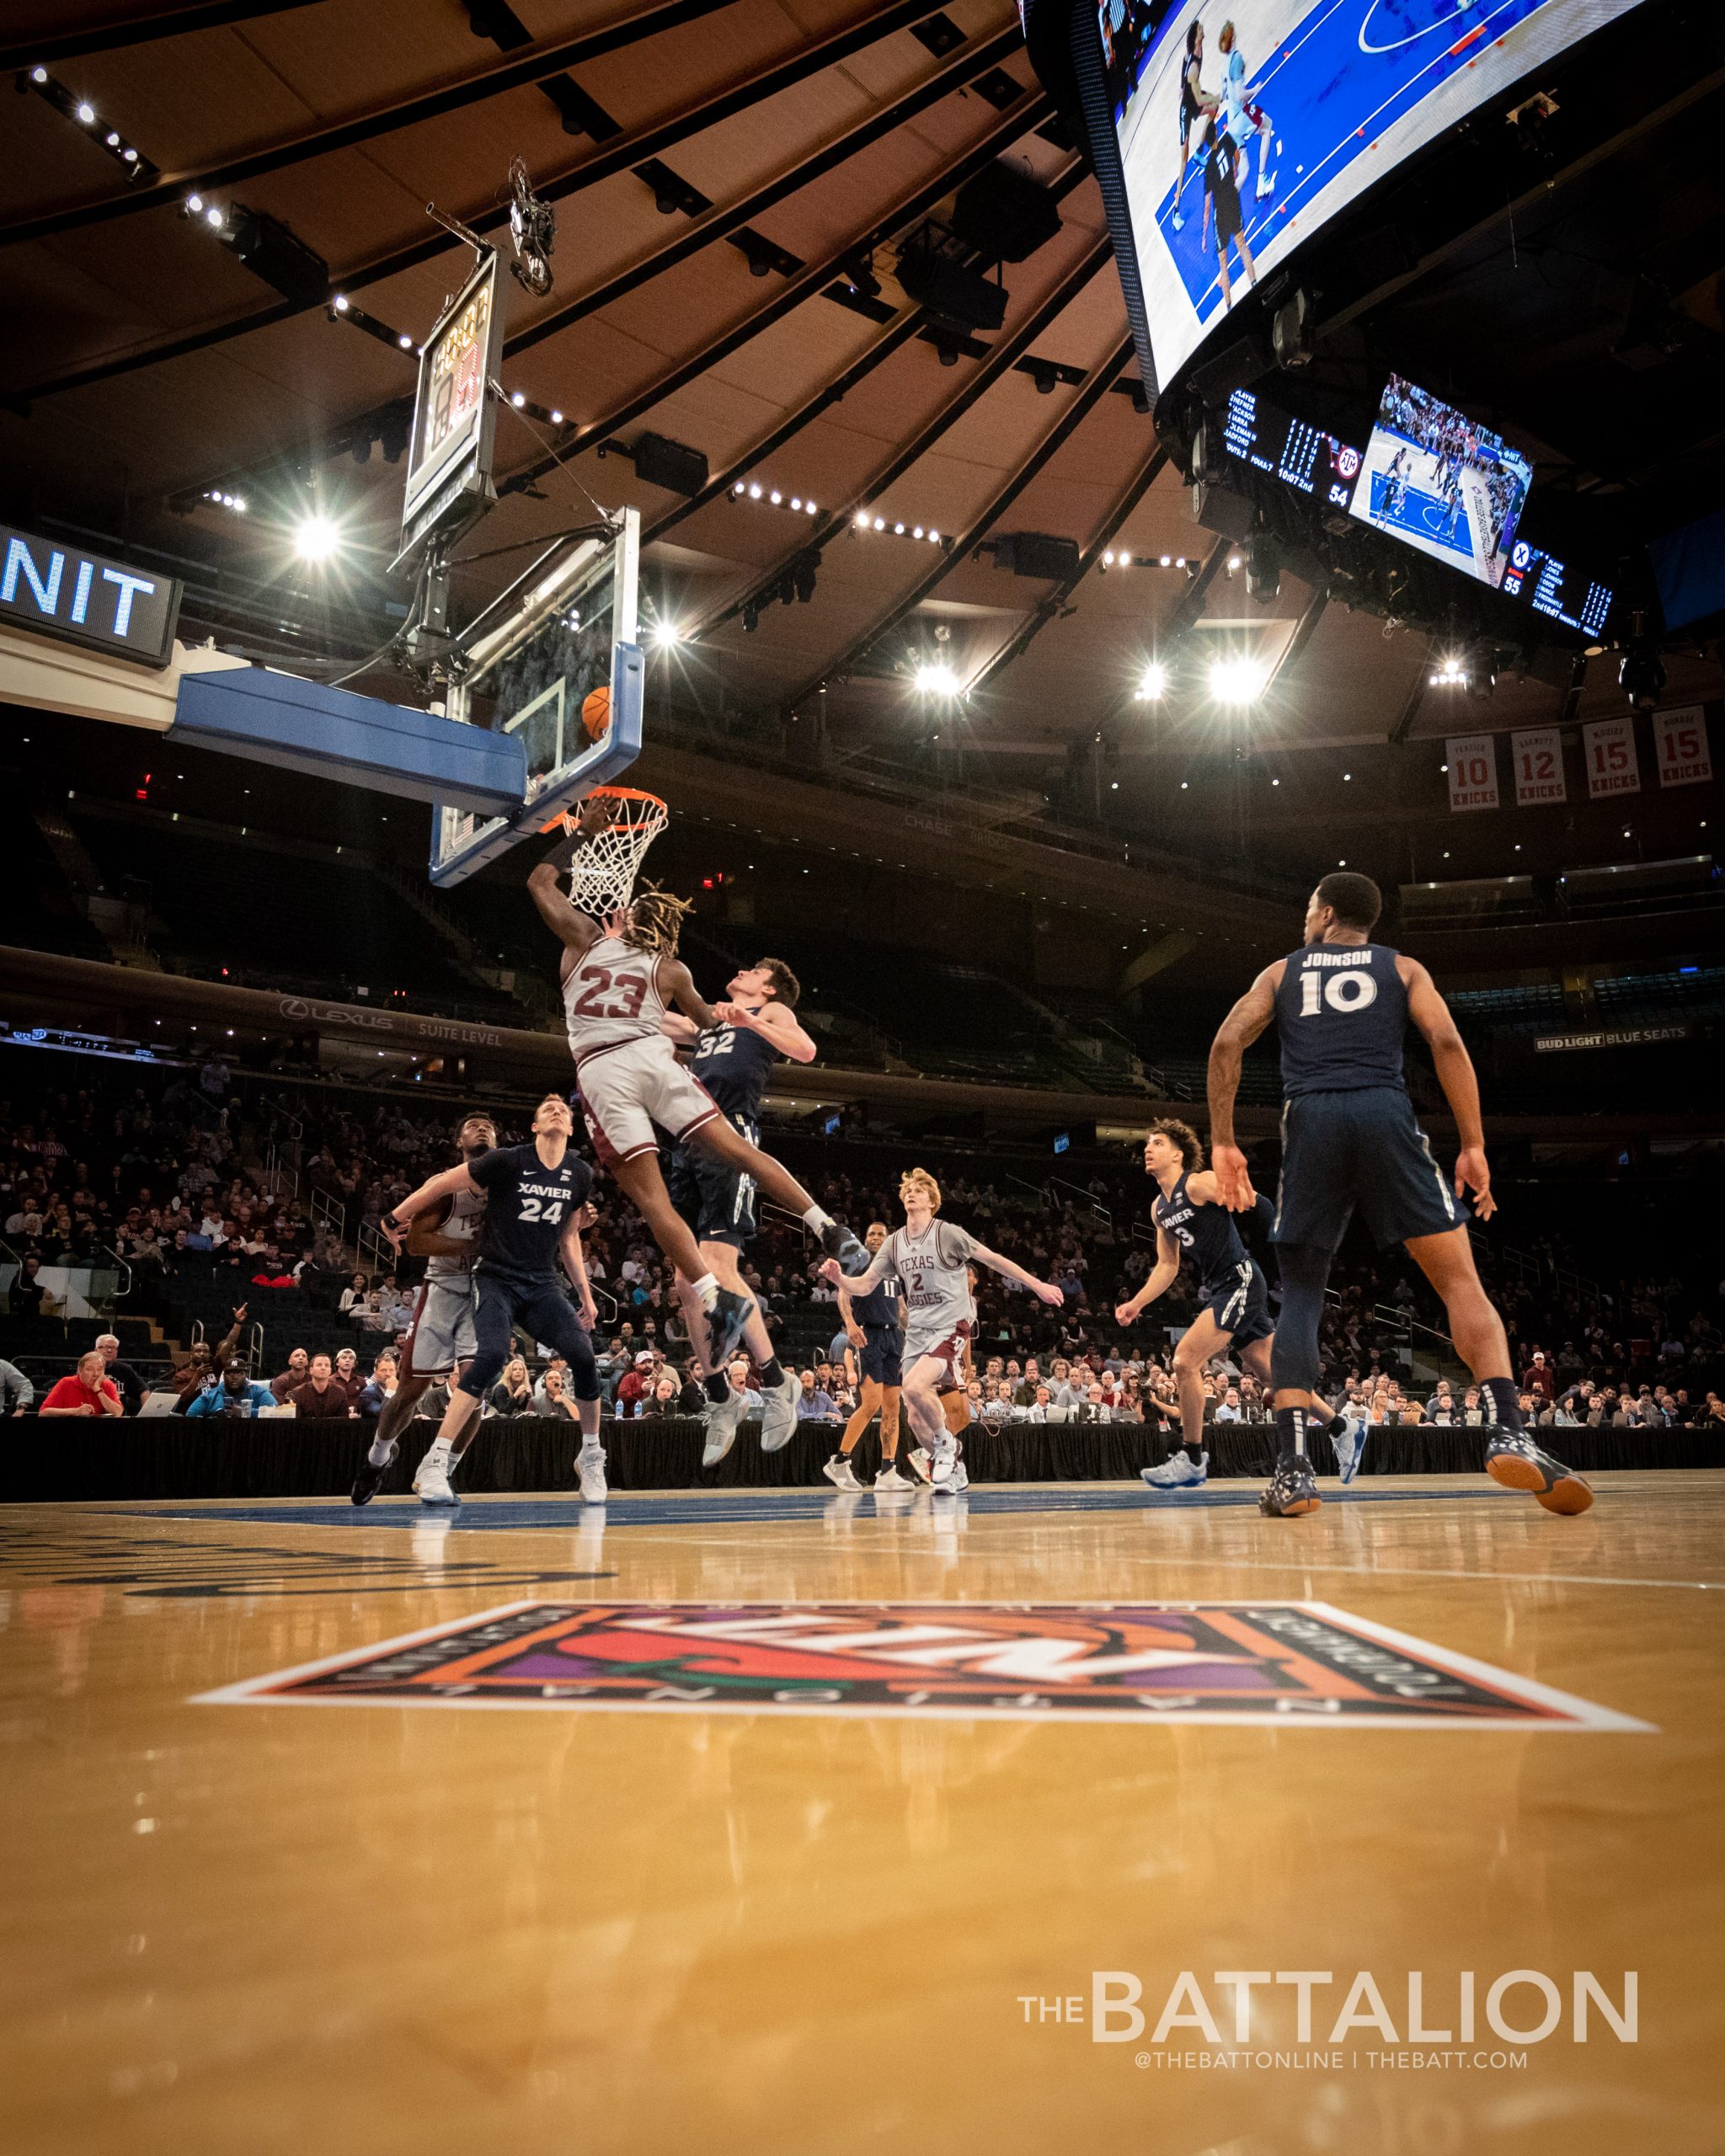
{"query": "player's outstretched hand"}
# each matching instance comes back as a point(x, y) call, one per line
point(1233, 1179)
point(829, 1270)
point(596, 814)
point(1047, 1291)
point(1473, 1173)
point(1124, 1313)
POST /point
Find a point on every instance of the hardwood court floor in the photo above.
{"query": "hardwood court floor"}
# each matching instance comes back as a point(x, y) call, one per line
point(381, 1926)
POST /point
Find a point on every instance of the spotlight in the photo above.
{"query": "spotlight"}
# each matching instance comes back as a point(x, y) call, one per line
point(194, 204)
point(937, 680)
point(880, 523)
point(405, 341)
point(807, 508)
point(934, 538)
point(665, 634)
point(316, 538)
point(212, 217)
point(518, 400)
point(1235, 680)
point(111, 139)
point(1641, 676)
point(1152, 682)
point(754, 493)
point(863, 520)
point(556, 417)
point(87, 113)
point(38, 74)
point(1263, 567)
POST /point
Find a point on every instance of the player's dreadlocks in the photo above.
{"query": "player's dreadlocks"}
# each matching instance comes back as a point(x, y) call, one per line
point(656, 921)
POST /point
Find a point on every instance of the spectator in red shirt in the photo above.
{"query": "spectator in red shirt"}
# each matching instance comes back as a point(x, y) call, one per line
point(1538, 1378)
point(91, 1392)
point(634, 1386)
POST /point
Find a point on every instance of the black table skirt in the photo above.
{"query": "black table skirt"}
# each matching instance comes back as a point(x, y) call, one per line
point(169, 1457)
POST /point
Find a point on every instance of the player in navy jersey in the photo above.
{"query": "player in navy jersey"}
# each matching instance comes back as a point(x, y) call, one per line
point(875, 1323)
point(733, 1059)
point(1342, 1005)
point(1191, 1221)
point(534, 1195)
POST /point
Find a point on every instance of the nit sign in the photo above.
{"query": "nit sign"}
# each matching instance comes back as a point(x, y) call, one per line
point(78, 598)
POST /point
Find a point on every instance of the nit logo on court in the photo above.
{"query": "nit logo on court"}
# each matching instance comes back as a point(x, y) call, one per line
point(1264, 1662)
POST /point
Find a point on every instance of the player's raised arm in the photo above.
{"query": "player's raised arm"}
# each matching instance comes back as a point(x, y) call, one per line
point(1455, 1075)
point(575, 930)
point(776, 1022)
point(1010, 1269)
point(1234, 1036)
point(676, 985)
point(1161, 1276)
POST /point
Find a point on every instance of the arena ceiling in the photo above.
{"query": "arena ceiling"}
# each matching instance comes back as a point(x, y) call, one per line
point(732, 180)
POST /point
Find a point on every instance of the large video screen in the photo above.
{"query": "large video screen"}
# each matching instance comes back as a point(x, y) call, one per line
point(1441, 482)
point(1244, 124)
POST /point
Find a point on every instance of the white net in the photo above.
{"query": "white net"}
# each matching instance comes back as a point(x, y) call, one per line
point(606, 862)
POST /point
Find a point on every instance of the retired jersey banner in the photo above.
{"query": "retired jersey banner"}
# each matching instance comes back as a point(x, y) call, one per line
point(1680, 747)
point(1473, 772)
point(1612, 766)
point(1537, 754)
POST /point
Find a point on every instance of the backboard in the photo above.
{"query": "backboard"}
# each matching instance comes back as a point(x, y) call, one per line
point(573, 635)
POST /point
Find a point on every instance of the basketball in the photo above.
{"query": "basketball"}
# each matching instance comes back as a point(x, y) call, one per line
point(595, 714)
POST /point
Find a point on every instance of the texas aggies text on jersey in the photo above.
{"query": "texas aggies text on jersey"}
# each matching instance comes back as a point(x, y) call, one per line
point(611, 994)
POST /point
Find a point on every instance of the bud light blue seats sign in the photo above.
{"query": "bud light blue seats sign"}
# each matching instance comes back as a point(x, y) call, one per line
point(61, 591)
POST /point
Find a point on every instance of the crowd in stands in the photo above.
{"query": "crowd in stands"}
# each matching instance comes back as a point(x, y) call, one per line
point(167, 1171)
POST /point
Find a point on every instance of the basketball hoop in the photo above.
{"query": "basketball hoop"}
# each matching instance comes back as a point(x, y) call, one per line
point(603, 872)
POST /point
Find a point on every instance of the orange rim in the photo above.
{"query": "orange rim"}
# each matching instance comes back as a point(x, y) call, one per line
point(628, 825)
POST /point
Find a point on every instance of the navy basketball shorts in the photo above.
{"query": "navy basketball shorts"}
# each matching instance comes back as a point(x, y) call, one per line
point(883, 1355)
point(716, 1200)
point(1360, 1151)
point(537, 1306)
point(1240, 1303)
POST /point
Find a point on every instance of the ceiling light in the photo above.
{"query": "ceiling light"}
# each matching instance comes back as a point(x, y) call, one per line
point(194, 203)
point(807, 508)
point(212, 216)
point(405, 342)
point(518, 400)
point(1152, 682)
point(775, 498)
point(316, 538)
point(754, 493)
point(38, 74)
point(87, 113)
point(880, 523)
point(666, 633)
point(1235, 680)
point(556, 417)
point(934, 538)
point(112, 140)
point(937, 680)
point(340, 302)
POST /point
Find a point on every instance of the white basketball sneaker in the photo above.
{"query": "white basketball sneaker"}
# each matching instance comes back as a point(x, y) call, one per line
point(1177, 1472)
point(779, 1413)
point(944, 1466)
point(919, 1463)
point(723, 1421)
point(590, 1466)
point(431, 1484)
point(839, 1471)
point(891, 1480)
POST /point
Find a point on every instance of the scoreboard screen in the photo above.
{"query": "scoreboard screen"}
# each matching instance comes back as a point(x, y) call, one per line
point(449, 462)
point(1294, 451)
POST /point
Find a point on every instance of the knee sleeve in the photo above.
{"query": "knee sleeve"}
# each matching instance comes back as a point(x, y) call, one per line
point(1294, 1352)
